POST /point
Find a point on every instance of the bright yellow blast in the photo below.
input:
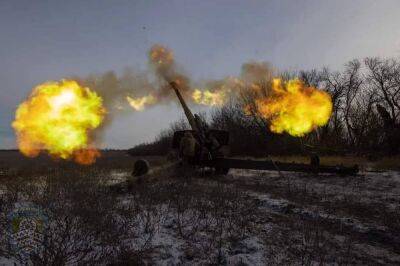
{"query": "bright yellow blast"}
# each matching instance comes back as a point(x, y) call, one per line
point(140, 103)
point(218, 93)
point(206, 97)
point(58, 118)
point(295, 108)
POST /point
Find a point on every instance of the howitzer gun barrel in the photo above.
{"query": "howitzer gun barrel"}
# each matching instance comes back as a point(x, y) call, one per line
point(189, 115)
point(281, 166)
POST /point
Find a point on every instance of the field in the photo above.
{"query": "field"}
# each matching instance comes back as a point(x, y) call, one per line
point(191, 218)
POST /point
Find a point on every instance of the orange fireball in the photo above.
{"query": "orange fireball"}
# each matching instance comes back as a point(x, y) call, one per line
point(140, 103)
point(58, 117)
point(294, 107)
point(161, 56)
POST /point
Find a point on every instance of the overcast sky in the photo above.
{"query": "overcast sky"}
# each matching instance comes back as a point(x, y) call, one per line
point(48, 40)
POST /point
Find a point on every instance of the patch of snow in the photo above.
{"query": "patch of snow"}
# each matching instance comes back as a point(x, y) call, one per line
point(250, 251)
point(7, 261)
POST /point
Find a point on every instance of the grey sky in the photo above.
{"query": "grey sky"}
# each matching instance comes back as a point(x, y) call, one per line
point(48, 40)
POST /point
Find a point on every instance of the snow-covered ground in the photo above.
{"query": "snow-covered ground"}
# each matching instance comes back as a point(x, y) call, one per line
point(302, 218)
point(261, 218)
point(365, 208)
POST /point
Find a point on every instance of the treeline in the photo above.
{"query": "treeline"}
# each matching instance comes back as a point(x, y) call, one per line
point(365, 117)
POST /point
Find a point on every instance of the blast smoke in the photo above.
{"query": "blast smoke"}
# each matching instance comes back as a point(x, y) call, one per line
point(162, 61)
point(141, 90)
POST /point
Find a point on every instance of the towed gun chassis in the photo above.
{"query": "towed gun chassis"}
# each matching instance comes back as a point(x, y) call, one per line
point(211, 142)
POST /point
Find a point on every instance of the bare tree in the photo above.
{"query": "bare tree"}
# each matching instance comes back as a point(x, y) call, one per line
point(384, 76)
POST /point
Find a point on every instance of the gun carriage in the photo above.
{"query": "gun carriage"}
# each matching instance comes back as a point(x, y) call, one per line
point(206, 150)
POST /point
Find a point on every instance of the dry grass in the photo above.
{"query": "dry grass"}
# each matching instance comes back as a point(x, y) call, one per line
point(184, 218)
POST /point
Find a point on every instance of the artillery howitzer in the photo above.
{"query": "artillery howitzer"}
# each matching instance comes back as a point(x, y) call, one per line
point(208, 152)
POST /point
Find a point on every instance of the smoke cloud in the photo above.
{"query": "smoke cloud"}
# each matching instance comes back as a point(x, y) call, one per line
point(139, 90)
point(134, 90)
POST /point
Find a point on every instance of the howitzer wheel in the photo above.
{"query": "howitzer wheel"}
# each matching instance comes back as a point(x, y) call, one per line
point(141, 167)
point(221, 170)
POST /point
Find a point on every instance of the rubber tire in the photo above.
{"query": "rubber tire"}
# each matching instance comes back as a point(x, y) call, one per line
point(141, 167)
